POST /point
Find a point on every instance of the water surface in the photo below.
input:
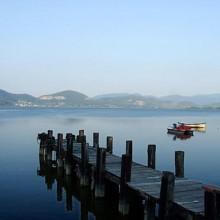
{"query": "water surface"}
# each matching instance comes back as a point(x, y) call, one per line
point(24, 194)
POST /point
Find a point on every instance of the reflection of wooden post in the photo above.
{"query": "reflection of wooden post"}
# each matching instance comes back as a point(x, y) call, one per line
point(96, 139)
point(59, 184)
point(166, 195)
point(151, 156)
point(100, 172)
point(125, 177)
point(69, 203)
point(110, 144)
point(179, 163)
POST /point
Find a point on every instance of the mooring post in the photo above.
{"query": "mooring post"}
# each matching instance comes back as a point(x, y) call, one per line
point(129, 149)
point(166, 195)
point(179, 163)
point(50, 134)
point(68, 159)
point(60, 163)
point(81, 132)
point(84, 179)
point(210, 203)
point(109, 144)
point(100, 173)
point(125, 177)
point(96, 139)
point(149, 209)
point(151, 151)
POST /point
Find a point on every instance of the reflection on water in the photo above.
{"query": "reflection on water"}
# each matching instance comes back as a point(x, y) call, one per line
point(69, 192)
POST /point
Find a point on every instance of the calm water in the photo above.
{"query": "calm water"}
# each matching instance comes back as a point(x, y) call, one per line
point(24, 195)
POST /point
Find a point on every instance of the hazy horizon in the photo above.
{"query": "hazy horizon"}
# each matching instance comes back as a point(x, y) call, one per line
point(152, 48)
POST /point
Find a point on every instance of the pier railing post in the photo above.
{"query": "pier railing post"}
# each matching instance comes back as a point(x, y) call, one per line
point(84, 179)
point(100, 173)
point(211, 204)
point(109, 144)
point(166, 195)
point(60, 163)
point(126, 164)
point(96, 139)
point(129, 148)
point(179, 163)
point(151, 151)
point(68, 158)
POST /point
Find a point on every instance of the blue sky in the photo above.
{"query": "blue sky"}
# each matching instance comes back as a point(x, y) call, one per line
point(95, 47)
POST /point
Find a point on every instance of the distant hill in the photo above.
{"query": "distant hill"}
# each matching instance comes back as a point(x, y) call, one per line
point(66, 98)
point(197, 99)
point(74, 99)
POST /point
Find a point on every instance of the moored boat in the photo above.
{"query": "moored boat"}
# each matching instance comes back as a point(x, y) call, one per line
point(180, 130)
point(194, 125)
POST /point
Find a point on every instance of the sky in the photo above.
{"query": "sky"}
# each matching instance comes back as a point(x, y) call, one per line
point(97, 47)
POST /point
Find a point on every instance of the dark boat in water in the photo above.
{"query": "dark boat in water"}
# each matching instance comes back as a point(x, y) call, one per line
point(180, 130)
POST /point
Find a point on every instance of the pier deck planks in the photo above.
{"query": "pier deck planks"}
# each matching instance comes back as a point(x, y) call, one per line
point(188, 194)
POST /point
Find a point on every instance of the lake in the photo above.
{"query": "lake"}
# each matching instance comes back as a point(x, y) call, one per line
point(24, 194)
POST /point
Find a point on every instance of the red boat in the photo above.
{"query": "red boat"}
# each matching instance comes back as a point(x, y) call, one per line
point(180, 130)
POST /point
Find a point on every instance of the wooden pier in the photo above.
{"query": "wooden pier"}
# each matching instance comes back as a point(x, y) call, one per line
point(164, 195)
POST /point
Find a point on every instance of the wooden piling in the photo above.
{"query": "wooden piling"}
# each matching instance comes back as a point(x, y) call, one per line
point(151, 151)
point(100, 172)
point(123, 206)
point(59, 145)
point(84, 179)
point(109, 144)
point(179, 164)
point(50, 133)
point(96, 139)
point(81, 132)
point(129, 148)
point(166, 195)
point(210, 203)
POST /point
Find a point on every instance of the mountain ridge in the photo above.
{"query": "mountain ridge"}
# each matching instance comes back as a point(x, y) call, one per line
point(73, 99)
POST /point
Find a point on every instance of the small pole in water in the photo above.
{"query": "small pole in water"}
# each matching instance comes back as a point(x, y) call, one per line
point(179, 163)
point(110, 144)
point(151, 151)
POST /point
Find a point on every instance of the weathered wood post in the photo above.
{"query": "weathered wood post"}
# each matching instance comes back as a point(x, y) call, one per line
point(43, 144)
point(125, 177)
point(179, 163)
point(151, 151)
point(50, 144)
point(166, 195)
point(50, 134)
point(100, 173)
point(210, 203)
point(84, 179)
point(96, 139)
point(109, 144)
point(129, 148)
point(60, 163)
point(68, 159)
